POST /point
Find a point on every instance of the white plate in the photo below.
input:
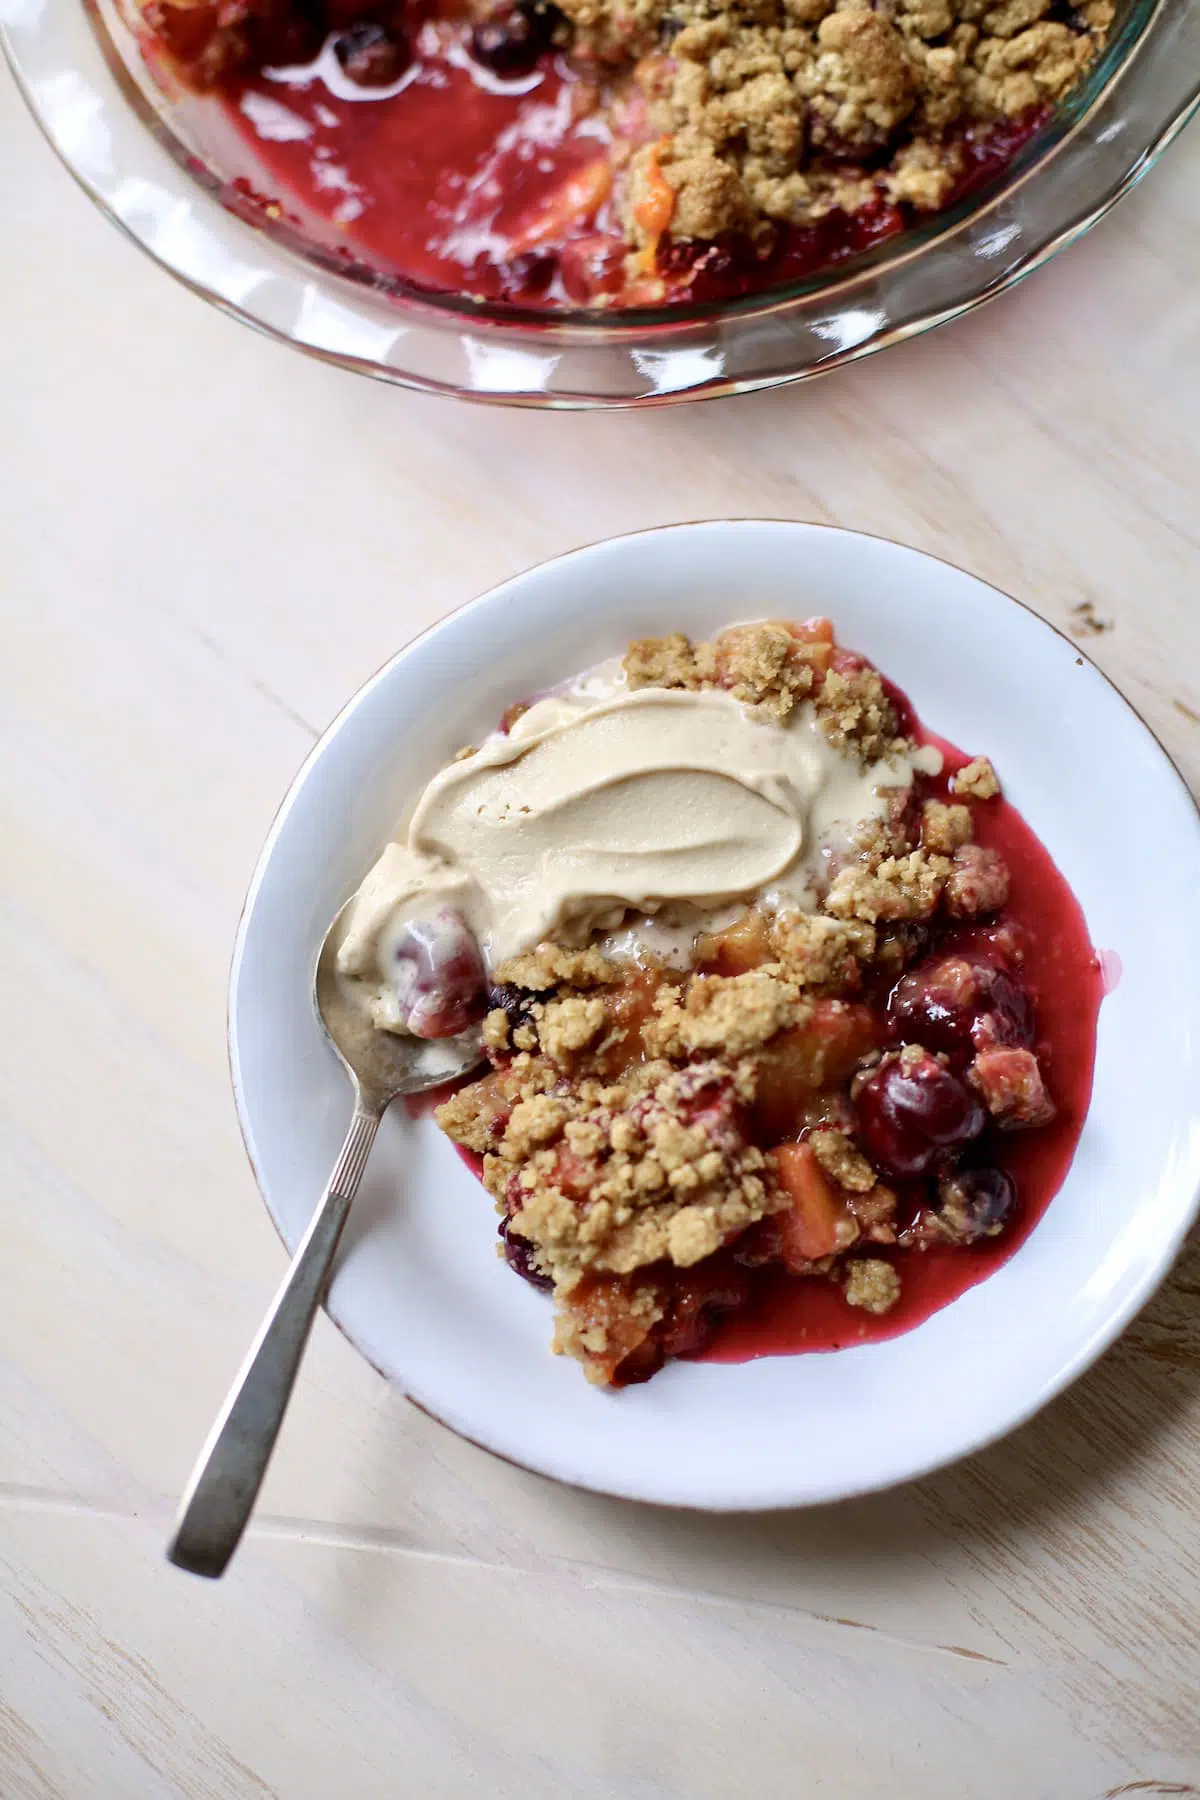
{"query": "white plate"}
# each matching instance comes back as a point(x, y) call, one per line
point(420, 1289)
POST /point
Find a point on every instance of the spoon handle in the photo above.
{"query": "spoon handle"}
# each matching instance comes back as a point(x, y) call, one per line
point(228, 1474)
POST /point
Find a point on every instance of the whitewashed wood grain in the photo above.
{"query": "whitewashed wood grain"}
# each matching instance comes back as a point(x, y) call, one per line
point(205, 544)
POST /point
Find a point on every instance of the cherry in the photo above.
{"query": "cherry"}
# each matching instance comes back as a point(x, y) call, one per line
point(213, 50)
point(1008, 1018)
point(284, 35)
point(909, 1107)
point(874, 223)
point(975, 1203)
point(510, 44)
point(716, 268)
point(955, 1001)
point(695, 1309)
point(531, 272)
point(370, 55)
point(936, 1003)
point(593, 265)
point(341, 13)
point(440, 985)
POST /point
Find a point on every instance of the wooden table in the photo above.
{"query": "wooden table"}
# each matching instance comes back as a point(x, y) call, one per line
point(206, 543)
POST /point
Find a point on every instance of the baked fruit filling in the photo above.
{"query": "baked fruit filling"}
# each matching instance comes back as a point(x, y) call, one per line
point(817, 1078)
point(629, 152)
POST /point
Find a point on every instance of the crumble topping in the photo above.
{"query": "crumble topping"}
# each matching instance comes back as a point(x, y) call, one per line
point(899, 887)
point(667, 662)
point(816, 951)
point(647, 1132)
point(856, 713)
point(872, 1284)
point(976, 883)
point(945, 828)
point(550, 966)
point(618, 1317)
point(837, 1155)
point(619, 1166)
point(534, 1122)
point(772, 667)
point(722, 119)
point(477, 1117)
point(734, 1014)
point(762, 665)
point(567, 1026)
point(496, 1030)
point(1011, 1085)
point(976, 779)
point(782, 111)
point(613, 1178)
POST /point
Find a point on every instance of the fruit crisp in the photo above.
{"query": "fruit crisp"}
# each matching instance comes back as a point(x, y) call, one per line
point(806, 1058)
point(630, 152)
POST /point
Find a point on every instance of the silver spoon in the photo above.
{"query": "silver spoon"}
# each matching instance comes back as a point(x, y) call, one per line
point(224, 1484)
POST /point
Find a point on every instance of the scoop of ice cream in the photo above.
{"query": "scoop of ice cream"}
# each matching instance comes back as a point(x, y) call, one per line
point(602, 802)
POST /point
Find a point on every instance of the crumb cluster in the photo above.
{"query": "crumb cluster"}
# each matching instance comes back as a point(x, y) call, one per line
point(774, 666)
point(977, 779)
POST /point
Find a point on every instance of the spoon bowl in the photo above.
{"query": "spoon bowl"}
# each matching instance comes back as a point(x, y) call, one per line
point(382, 1064)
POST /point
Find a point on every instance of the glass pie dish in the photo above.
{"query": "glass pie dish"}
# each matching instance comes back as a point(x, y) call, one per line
point(170, 169)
